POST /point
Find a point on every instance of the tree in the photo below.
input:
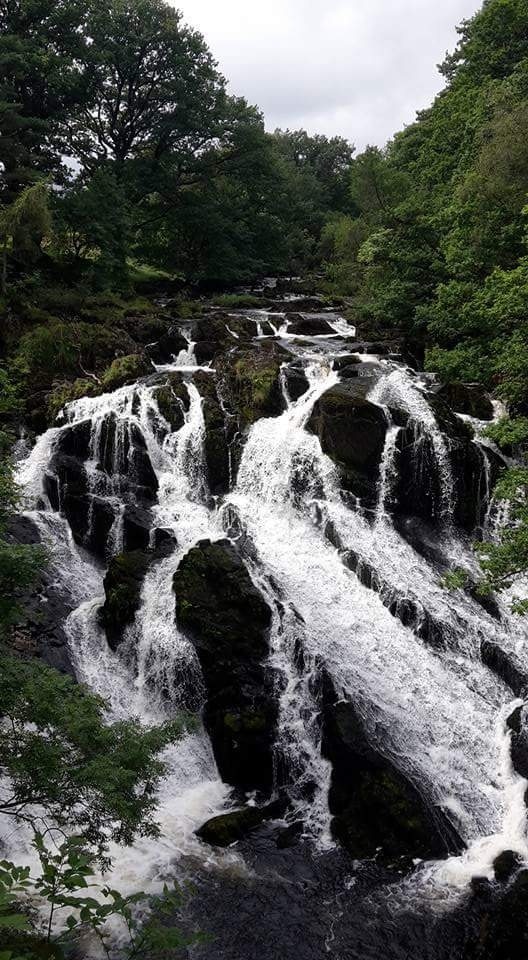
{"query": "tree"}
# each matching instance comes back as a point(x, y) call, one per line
point(23, 226)
point(41, 79)
point(154, 87)
point(59, 751)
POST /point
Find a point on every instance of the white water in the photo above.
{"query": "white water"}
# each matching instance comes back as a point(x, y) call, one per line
point(440, 714)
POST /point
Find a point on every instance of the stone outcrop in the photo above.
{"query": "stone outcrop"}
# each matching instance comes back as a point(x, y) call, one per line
point(122, 586)
point(373, 804)
point(352, 432)
point(218, 434)
point(228, 621)
point(229, 827)
point(468, 398)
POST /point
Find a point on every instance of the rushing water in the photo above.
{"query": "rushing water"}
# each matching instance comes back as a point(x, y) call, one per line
point(438, 713)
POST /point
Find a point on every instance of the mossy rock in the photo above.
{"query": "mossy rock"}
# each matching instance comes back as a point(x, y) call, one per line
point(124, 371)
point(252, 378)
point(228, 621)
point(217, 434)
point(352, 433)
point(122, 585)
point(64, 393)
point(230, 827)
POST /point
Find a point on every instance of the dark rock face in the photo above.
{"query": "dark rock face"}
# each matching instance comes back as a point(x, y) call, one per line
point(296, 382)
point(519, 741)
point(137, 523)
point(419, 490)
point(352, 432)
point(218, 332)
point(469, 398)
point(216, 445)
point(226, 829)
point(309, 326)
point(44, 608)
point(502, 932)
point(167, 347)
point(122, 585)
point(173, 401)
point(350, 360)
point(505, 666)
point(228, 621)
point(372, 803)
point(90, 517)
point(74, 441)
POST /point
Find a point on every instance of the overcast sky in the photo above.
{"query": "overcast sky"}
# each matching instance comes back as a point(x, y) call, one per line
point(358, 68)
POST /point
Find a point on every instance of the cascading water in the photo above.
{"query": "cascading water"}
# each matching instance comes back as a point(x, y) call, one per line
point(436, 711)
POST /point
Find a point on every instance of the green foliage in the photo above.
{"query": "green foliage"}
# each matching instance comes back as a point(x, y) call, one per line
point(66, 884)
point(23, 225)
point(233, 301)
point(59, 751)
point(507, 560)
point(61, 349)
point(508, 433)
point(125, 370)
point(455, 579)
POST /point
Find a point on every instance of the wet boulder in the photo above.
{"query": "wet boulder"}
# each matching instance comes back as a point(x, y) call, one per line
point(217, 434)
point(349, 360)
point(43, 608)
point(352, 432)
point(296, 382)
point(469, 398)
point(517, 724)
point(167, 347)
point(137, 524)
point(218, 332)
point(309, 326)
point(122, 585)
point(228, 622)
point(173, 401)
point(422, 489)
point(506, 666)
point(74, 440)
point(502, 923)
point(373, 804)
point(230, 827)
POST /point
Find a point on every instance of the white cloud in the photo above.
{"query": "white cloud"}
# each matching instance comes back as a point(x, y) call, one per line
point(358, 68)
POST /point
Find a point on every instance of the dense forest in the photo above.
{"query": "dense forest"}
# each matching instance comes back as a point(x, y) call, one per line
point(135, 187)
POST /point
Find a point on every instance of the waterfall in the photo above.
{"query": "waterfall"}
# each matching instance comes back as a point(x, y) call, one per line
point(435, 711)
point(399, 389)
point(409, 696)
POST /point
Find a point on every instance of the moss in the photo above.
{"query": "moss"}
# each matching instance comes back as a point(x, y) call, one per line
point(188, 309)
point(254, 382)
point(125, 370)
point(64, 393)
point(122, 584)
point(236, 300)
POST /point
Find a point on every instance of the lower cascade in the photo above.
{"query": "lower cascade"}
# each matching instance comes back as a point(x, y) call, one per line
point(261, 541)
